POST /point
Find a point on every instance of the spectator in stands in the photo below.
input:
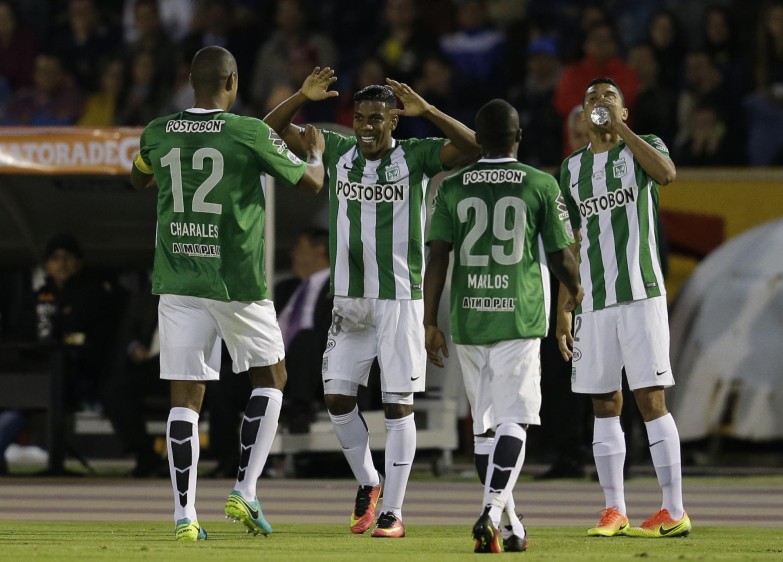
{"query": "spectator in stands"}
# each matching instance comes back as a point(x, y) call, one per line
point(176, 17)
point(704, 86)
point(103, 106)
point(18, 47)
point(721, 43)
point(52, 100)
point(82, 41)
point(765, 105)
point(477, 50)
point(305, 314)
point(705, 142)
point(445, 88)
point(542, 142)
point(656, 107)
point(146, 92)
point(402, 42)
point(78, 311)
point(574, 32)
point(601, 58)
point(292, 43)
point(665, 35)
point(152, 37)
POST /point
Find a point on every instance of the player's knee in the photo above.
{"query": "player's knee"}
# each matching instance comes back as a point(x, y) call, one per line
point(339, 404)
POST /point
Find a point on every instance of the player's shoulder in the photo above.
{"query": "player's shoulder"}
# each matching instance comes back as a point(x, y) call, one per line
point(655, 141)
point(575, 154)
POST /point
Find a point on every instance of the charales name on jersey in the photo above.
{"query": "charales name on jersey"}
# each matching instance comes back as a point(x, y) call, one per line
point(614, 203)
point(376, 216)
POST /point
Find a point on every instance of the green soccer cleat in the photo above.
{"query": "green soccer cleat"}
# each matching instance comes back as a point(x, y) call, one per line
point(486, 535)
point(249, 513)
point(661, 525)
point(187, 530)
point(612, 524)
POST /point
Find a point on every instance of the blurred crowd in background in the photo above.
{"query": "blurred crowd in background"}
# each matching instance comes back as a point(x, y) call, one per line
point(704, 75)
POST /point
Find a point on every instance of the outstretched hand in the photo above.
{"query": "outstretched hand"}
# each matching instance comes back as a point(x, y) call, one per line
point(413, 104)
point(316, 85)
point(435, 342)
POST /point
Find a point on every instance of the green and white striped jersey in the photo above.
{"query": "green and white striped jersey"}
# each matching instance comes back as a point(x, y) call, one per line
point(500, 217)
point(614, 203)
point(376, 216)
point(209, 168)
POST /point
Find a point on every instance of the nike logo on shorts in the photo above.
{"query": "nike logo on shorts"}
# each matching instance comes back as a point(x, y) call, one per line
point(659, 373)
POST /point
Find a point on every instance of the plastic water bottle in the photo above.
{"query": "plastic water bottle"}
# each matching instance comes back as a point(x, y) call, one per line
point(599, 115)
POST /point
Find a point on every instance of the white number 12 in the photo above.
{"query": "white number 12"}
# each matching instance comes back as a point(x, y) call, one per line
point(172, 160)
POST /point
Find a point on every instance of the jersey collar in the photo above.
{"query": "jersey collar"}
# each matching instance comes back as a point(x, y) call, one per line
point(496, 160)
point(202, 111)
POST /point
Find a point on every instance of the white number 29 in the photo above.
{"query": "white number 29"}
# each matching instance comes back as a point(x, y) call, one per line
point(172, 160)
point(516, 233)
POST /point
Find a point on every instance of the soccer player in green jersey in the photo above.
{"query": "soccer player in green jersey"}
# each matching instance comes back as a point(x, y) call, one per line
point(611, 191)
point(209, 272)
point(504, 221)
point(377, 194)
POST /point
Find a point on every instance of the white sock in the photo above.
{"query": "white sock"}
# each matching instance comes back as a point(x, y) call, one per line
point(609, 453)
point(352, 434)
point(259, 427)
point(505, 462)
point(665, 452)
point(183, 448)
point(400, 450)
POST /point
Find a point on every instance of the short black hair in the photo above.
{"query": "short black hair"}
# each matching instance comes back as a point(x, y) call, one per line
point(63, 242)
point(603, 80)
point(376, 92)
point(210, 68)
point(497, 124)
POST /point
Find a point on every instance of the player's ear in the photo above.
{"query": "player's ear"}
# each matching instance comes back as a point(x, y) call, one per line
point(232, 81)
point(395, 120)
point(518, 136)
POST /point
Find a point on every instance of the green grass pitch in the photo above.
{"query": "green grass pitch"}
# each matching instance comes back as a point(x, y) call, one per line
point(119, 542)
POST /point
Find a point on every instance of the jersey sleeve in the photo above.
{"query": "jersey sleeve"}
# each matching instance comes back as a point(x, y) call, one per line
point(142, 161)
point(335, 144)
point(428, 154)
point(555, 217)
point(571, 207)
point(276, 158)
point(441, 225)
point(656, 143)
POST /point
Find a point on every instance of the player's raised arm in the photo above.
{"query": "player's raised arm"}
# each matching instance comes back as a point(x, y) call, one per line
point(462, 147)
point(314, 88)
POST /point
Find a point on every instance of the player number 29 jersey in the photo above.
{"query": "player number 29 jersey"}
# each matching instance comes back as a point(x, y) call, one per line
point(500, 217)
point(208, 166)
point(614, 203)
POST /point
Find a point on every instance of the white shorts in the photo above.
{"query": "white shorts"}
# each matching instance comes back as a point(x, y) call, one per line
point(634, 335)
point(191, 328)
point(391, 330)
point(503, 382)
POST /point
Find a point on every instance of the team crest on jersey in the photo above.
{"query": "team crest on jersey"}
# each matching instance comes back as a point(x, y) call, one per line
point(393, 172)
point(619, 168)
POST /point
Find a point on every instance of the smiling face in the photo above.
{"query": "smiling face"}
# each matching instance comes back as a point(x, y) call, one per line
point(373, 124)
